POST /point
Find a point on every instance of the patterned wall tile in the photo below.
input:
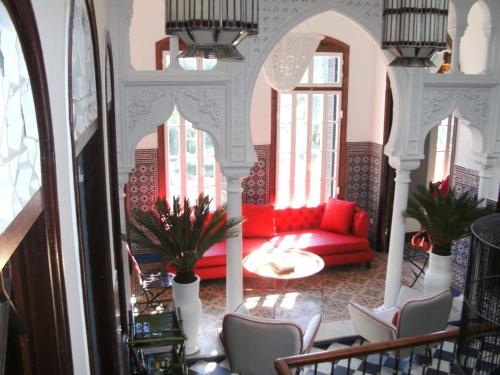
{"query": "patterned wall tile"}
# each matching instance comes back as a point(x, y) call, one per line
point(363, 174)
point(142, 186)
point(462, 179)
point(256, 187)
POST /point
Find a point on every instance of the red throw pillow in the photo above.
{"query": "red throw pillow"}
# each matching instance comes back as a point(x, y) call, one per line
point(259, 220)
point(338, 216)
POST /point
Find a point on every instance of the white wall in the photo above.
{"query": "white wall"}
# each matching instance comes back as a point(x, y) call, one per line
point(367, 74)
point(52, 21)
point(465, 147)
point(474, 43)
point(260, 116)
point(146, 28)
point(149, 141)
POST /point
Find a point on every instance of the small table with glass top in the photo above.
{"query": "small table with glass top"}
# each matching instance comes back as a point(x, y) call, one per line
point(263, 263)
point(304, 263)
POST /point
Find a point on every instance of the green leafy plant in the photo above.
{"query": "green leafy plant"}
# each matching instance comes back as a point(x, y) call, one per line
point(181, 233)
point(445, 216)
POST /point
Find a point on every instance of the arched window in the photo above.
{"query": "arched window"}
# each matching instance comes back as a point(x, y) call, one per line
point(308, 130)
point(89, 152)
point(187, 164)
point(32, 287)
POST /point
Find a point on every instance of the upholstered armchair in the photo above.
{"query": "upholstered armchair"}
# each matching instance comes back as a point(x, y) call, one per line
point(252, 344)
point(411, 316)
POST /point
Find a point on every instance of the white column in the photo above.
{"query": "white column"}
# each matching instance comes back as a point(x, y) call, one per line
point(397, 240)
point(457, 32)
point(486, 164)
point(234, 251)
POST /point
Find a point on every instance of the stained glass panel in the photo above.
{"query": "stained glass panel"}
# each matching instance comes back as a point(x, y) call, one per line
point(20, 170)
point(84, 93)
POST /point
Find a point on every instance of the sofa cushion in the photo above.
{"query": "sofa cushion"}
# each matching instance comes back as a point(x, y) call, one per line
point(320, 242)
point(338, 216)
point(216, 255)
point(298, 218)
point(259, 220)
point(360, 223)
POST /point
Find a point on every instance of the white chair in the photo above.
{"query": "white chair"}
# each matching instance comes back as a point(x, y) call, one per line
point(411, 316)
point(252, 344)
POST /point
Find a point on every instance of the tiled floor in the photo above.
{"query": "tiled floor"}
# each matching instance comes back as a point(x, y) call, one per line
point(327, 292)
point(442, 359)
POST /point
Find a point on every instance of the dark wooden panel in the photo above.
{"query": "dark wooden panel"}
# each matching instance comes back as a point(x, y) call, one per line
point(14, 234)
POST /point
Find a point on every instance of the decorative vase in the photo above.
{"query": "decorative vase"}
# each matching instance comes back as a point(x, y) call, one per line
point(186, 298)
point(438, 274)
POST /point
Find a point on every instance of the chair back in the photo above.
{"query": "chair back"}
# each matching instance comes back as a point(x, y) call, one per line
point(424, 315)
point(252, 344)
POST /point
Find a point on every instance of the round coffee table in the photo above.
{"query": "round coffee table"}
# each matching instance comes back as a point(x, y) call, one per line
point(304, 263)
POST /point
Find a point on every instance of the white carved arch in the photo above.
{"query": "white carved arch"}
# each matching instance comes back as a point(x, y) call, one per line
point(148, 107)
point(281, 17)
point(470, 104)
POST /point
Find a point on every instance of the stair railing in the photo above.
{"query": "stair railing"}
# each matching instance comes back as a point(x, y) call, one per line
point(410, 345)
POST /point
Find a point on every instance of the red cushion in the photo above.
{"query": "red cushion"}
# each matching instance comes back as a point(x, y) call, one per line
point(338, 216)
point(360, 223)
point(259, 221)
point(298, 218)
point(395, 318)
point(320, 242)
point(216, 255)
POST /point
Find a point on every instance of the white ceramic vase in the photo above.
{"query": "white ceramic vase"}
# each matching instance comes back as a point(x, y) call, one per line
point(438, 274)
point(186, 298)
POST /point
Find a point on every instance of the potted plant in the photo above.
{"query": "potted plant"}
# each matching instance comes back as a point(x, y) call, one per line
point(445, 216)
point(182, 234)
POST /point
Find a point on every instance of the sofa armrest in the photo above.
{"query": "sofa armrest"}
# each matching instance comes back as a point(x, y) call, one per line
point(360, 223)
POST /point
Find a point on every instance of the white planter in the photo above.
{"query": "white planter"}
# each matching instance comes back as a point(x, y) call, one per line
point(186, 298)
point(438, 274)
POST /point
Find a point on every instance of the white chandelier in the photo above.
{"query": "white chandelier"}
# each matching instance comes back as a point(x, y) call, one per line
point(287, 63)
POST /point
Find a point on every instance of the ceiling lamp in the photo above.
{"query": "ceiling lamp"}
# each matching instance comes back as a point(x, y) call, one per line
point(413, 30)
point(211, 28)
point(288, 61)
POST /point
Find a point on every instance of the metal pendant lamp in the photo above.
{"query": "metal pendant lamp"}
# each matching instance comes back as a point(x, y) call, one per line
point(413, 30)
point(212, 28)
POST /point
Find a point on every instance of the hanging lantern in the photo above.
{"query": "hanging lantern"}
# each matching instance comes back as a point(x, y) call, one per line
point(413, 30)
point(211, 28)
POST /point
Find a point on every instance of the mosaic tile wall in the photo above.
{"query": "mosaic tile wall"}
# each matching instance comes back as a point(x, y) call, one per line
point(256, 187)
point(363, 174)
point(142, 186)
point(462, 179)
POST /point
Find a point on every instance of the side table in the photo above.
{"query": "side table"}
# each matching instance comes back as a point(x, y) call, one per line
point(157, 344)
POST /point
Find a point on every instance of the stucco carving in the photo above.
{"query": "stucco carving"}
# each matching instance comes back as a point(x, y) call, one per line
point(438, 104)
point(207, 102)
point(474, 104)
point(141, 103)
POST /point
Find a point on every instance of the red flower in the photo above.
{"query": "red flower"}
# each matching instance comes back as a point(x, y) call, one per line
point(422, 240)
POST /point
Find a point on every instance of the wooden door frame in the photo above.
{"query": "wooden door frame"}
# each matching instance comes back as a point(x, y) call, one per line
point(55, 353)
point(109, 360)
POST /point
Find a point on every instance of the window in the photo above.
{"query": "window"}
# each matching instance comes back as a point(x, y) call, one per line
point(308, 132)
point(163, 58)
point(190, 165)
point(443, 146)
point(20, 170)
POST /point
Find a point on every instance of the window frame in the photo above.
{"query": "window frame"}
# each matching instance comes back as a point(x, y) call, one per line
point(36, 244)
point(328, 45)
point(162, 46)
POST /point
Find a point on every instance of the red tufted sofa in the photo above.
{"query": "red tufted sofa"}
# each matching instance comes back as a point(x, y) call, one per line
point(299, 228)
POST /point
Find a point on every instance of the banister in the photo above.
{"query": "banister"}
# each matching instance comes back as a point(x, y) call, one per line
point(283, 365)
